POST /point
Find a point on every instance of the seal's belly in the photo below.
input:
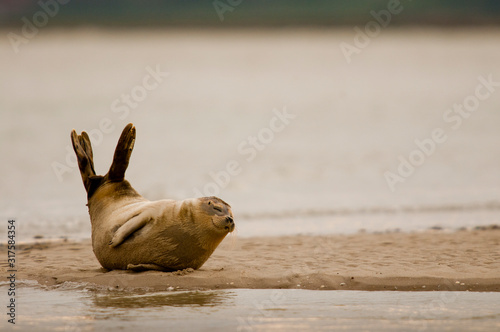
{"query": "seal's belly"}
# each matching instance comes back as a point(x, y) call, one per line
point(149, 246)
point(162, 241)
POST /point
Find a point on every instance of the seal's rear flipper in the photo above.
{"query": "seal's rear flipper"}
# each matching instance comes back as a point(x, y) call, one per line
point(122, 154)
point(130, 226)
point(83, 150)
point(145, 267)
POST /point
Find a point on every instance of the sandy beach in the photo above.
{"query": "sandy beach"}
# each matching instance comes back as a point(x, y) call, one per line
point(431, 260)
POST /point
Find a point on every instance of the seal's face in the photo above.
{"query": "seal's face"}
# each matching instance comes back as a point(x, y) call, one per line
point(219, 212)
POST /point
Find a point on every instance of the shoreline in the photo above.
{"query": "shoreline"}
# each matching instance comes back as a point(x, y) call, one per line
point(428, 261)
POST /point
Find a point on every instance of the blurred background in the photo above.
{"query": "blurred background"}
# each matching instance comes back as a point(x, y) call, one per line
point(255, 13)
point(303, 115)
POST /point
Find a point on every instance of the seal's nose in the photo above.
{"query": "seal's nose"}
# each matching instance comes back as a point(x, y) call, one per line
point(229, 224)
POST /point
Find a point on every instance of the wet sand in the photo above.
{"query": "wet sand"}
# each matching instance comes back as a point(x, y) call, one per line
point(431, 260)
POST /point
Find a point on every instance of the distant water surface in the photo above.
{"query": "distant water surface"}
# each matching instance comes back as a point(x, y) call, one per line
point(321, 171)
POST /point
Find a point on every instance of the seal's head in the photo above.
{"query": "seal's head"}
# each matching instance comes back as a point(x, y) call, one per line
point(208, 217)
point(219, 212)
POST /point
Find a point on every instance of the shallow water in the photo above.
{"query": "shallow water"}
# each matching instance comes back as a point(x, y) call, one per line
point(76, 308)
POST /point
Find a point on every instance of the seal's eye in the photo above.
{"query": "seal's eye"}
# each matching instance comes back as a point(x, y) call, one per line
point(216, 207)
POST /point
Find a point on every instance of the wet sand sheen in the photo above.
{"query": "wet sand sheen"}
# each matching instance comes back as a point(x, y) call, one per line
point(432, 260)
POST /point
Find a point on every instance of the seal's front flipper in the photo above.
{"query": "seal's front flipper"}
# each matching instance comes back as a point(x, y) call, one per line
point(145, 267)
point(132, 225)
point(122, 154)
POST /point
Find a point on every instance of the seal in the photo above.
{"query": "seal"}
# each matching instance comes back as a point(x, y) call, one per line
point(131, 232)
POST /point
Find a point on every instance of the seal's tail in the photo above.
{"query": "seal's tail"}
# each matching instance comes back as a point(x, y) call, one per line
point(83, 150)
point(122, 154)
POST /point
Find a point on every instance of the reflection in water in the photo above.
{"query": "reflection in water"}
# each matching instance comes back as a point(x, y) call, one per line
point(150, 300)
point(76, 307)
